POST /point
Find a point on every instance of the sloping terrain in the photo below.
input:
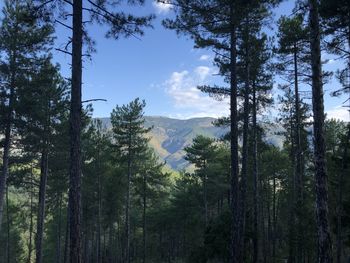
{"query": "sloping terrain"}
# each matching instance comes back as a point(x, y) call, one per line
point(170, 136)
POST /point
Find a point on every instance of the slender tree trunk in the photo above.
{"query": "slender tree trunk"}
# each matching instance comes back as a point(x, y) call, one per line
point(110, 244)
point(323, 232)
point(127, 213)
point(274, 221)
point(75, 134)
point(66, 241)
point(205, 192)
point(144, 218)
point(59, 227)
point(31, 223)
point(99, 255)
point(7, 145)
point(104, 254)
point(269, 232)
point(8, 247)
point(262, 249)
point(298, 158)
point(256, 200)
point(243, 182)
point(340, 197)
point(234, 140)
point(41, 206)
point(292, 186)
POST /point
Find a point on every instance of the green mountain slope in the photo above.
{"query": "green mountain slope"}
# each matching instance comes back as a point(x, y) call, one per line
point(170, 136)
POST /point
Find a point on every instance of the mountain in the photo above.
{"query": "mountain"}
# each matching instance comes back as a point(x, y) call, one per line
point(170, 136)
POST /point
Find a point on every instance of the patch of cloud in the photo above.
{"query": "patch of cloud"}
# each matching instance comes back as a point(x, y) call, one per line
point(188, 100)
point(204, 57)
point(202, 72)
point(339, 113)
point(161, 7)
point(331, 61)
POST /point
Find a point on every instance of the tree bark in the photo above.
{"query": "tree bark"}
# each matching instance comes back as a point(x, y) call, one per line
point(31, 225)
point(41, 206)
point(127, 213)
point(59, 227)
point(256, 200)
point(274, 220)
point(323, 232)
point(205, 192)
point(234, 140)
point(75, 136)
point(298, 157)
point(7, 139)
point(66, 241)
point(340, 197)
point(243, 185)
point(8, 244)
point(144, 218)
point(99, 254)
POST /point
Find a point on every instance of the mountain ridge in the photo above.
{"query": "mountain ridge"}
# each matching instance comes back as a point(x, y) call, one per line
point(169, 136)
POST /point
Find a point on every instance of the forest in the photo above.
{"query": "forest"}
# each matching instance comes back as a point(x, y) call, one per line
point(72, 190)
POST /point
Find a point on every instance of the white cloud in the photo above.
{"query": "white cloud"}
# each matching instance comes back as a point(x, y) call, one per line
point(188, 100)
point(162, 7)
point(204, 57)
point(339, 112)
point(330, 61)
point(202, 72)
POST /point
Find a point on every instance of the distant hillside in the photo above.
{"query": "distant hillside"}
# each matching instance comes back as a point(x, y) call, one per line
point(170, 136)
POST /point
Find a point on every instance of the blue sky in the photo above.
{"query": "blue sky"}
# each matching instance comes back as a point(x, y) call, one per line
point(161, 68)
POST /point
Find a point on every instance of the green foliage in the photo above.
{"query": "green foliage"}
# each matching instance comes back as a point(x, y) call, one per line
point(127, 191)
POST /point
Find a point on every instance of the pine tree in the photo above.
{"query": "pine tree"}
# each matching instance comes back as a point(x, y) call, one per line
point(128, 133)
point(323, 232)
point(17, 62)
point(151, 184)
point(219, 22)
point(44, 100)
point(294, 64)
point(200, 153)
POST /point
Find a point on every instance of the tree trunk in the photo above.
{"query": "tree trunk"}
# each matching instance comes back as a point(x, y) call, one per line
point(59, 227)
point(292, 194)
point(127, 213)
point(8, 247)
point(298, 158)
point(205, 191)
point(99, 254)
point(243, 182)
point(262, 248)
point(323, 232)
point(41, 206)
point(144, 218)
point(340, 197)
point(75, 134)
point(31, 224)
point(234, 140)
point(7, 146)
point(256, 200)
point(66, 242)
point(274, 221)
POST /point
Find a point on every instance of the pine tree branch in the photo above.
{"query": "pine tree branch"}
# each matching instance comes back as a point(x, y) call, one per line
point(68, 2)
point(108, 18)
point(63, 24)
point(64, 51)
point(92, 100)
